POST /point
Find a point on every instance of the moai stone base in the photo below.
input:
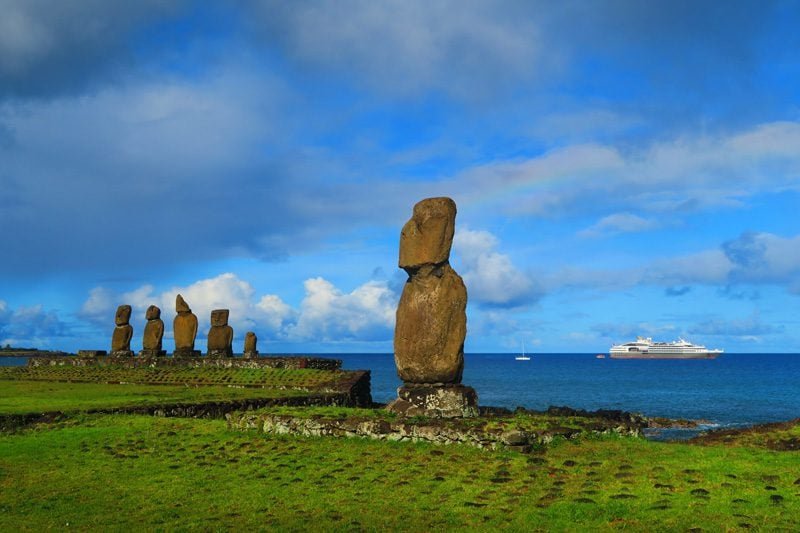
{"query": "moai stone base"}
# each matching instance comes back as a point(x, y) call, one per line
point(250, 355)
point(218, 353)
point(435, 400)
point(91, 353)
point(186, 352)
point(152, 353)
point(121, 353)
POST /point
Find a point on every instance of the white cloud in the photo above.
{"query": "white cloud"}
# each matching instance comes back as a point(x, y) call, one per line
point(407, 47)
point(327, 314)
point(491, 277)
point(619, 223)
point(682, 175)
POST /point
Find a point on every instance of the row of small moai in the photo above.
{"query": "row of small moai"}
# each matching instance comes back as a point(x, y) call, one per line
point(220, 336)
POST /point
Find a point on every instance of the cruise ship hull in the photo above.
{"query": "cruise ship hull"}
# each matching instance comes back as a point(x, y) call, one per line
point(648, 355)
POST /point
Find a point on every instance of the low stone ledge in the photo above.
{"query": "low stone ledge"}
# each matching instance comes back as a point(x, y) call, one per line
point(402, 429)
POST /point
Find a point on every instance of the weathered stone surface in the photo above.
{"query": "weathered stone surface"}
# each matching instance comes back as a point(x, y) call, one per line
point(153, 331)
point(184, 329)
point(436, 401)
point(121, 338)
point(428, 236)
point(431, 327)
point(250, 340)
point(220, 336)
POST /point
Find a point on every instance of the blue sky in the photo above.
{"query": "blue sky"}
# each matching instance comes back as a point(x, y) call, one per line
point(620, 168)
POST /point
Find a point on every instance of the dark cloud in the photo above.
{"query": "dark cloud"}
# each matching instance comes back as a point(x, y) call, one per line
point(677, 291)
point(29, 324)
point(51, 48)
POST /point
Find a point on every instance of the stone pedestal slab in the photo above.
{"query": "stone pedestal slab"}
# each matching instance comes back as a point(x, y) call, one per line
point(184, 352)
point(121, 353)
point(152, 353)
point(250, 355)
point(435, 400)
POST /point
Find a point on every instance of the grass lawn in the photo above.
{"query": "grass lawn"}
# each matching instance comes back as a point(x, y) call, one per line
point(123, 472)
point(23, 397)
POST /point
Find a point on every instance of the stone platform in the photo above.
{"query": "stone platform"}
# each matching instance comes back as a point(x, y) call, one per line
point(316, 363)
point(435, 401)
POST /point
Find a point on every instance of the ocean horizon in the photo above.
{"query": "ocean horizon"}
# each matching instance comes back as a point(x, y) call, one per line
point(734, 390)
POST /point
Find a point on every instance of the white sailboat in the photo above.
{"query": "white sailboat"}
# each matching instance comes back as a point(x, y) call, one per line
point(522, 356)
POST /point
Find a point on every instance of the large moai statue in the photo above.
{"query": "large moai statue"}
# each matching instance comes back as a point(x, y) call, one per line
point(121, 339)
point(431, 318)
point(220, 336)
point(184, 329)
point(153, 334)
point(250, 351)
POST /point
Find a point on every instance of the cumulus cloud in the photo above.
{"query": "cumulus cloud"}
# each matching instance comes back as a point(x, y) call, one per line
point(490, 276)
point(328, 315)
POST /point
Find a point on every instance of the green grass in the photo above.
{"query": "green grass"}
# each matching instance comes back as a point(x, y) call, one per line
point(115, 472)
point(186, 375)
point(24, 397)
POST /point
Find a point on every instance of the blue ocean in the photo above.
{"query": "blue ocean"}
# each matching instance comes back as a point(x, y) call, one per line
point(732, 390)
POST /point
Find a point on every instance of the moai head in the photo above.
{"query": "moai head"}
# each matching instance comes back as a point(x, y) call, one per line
point(219, 317)
point(153, 313)
point(427, 237)
point(123, 315)
point(181, 306)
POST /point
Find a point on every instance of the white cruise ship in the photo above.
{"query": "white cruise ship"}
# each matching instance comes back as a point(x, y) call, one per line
point(645, 348)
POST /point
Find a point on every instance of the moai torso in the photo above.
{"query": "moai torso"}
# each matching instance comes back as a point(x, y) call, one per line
point(121, 338)
point(184, 326)
point(250, 342)
point(431, 317)
point(153, 330)
point(220, 336)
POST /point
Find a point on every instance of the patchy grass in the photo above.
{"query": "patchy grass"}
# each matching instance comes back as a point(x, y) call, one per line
point(27, 397)
point(187, 375)
point(132, 472)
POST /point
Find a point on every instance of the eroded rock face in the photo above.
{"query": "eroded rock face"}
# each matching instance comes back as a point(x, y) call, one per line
point(184, 328)
point(431, 317)
point(121, 338)
point(431, 327)
point(427, 237)
point(220, 336)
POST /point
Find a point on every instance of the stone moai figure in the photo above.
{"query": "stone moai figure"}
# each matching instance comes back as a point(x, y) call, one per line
point(153, 333)
point(184, 329)
point(220, 336)
point(431, 318)
point(250, 350)
point(121, 339)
